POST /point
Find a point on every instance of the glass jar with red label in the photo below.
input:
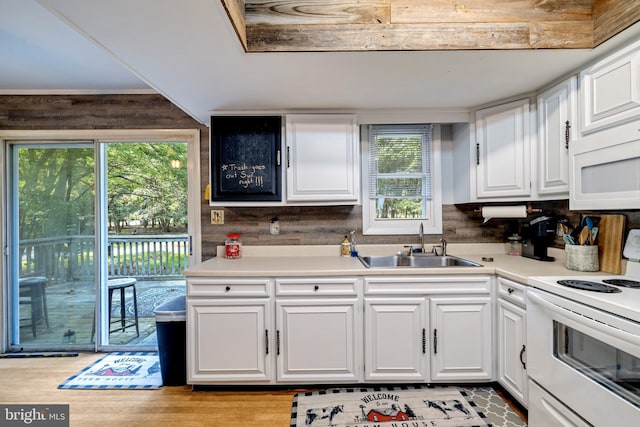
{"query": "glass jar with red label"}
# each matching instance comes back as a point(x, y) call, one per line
point(232, 246)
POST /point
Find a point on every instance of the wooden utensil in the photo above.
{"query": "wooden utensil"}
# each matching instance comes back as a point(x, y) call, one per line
point(610, 238)
point(584, 236)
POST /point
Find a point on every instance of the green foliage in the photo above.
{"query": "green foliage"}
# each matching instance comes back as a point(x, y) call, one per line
point(154, 262)
point(399, 154)
point(399, 196)
point(56, 188)
point(56, 191)
point(143, 186)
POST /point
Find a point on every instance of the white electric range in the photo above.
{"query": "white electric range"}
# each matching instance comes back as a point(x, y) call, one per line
point(616, 294)
point(583, 347)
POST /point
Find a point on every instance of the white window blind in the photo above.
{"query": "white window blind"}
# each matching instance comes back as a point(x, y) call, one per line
point(400, 162)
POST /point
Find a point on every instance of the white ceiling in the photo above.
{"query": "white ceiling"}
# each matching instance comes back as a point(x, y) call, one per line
point(188, 51)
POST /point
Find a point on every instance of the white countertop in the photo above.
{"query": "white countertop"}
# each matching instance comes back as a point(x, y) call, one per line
point(271, 261)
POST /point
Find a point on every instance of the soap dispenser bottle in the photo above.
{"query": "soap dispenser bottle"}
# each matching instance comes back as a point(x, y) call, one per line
point(345, 247)
point(354, 248)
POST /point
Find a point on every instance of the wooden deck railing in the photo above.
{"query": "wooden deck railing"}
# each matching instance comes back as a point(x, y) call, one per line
point(148, 256)
point(71, 258)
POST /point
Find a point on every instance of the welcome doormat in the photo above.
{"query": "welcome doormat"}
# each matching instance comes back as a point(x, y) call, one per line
point(123, 370)
point(373, 407)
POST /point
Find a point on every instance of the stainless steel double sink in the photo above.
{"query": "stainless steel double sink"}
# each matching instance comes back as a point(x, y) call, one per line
point(421, 261)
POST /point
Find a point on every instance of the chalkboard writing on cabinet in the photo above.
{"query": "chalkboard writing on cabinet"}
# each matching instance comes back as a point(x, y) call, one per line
point(245, 158)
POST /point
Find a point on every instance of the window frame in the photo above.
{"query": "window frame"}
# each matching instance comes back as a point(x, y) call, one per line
point(373, 226)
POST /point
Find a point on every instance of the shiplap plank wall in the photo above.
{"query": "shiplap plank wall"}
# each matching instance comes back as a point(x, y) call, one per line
point(610, 16)
point(236, 12)
point(287, 12)
point(320, 225)
point(338, 25)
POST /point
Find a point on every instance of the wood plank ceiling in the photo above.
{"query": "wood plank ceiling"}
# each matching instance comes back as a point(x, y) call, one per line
point(363, 25)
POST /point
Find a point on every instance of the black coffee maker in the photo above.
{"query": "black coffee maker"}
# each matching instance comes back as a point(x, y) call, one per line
point(537, 235)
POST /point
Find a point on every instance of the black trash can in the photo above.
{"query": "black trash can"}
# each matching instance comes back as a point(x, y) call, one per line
point(171, 331)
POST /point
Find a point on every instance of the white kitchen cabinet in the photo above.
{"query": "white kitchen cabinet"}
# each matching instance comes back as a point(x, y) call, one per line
point(605, 169)
point(318, 330)
point(512, 336)
point(610, 90)
point(461, 339)
point(323, 158)
point(396, 344)
point(452, 342)
point(503, 163)
point(557, 129)
point(324, 330)
point(229, 340)
point(229, 331)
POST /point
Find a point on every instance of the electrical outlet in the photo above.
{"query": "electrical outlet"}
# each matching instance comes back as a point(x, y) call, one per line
point(217, 216)
point(274, 226)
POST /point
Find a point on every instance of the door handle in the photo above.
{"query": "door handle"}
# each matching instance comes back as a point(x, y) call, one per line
point(524, 365)
point(266, 336)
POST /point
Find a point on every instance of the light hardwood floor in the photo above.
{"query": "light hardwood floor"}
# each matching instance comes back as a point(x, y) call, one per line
point(35, 381)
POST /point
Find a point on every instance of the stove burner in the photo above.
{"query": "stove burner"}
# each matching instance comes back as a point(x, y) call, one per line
point(623, 282)
point(588, 286)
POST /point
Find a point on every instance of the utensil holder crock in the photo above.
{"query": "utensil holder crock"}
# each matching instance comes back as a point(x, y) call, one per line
point(582, 257)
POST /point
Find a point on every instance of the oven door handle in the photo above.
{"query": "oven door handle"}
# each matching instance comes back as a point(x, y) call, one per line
point(625, 340)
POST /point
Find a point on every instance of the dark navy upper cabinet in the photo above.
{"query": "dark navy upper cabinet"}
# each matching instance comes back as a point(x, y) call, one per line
point(245, 158)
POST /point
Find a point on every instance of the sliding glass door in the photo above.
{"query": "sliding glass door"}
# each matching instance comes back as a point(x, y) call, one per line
point(52, 244)
point(98, 233)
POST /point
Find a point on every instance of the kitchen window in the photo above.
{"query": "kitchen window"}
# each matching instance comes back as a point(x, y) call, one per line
point(401, 174)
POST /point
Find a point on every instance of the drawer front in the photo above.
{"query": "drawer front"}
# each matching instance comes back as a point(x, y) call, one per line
point(512, 291)
point(208, 287)
point(348, 286)
point(432, 285)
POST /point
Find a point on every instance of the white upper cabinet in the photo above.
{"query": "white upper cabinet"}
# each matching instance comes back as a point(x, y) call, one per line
point(503, 150)
point(605, 162)
point(323, 157)
point(610, 90)
point(557, 125)
point(605, 168)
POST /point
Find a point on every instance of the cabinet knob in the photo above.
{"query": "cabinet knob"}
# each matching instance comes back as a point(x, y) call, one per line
point(227, 289)
point(316, 287)
point(510, 290)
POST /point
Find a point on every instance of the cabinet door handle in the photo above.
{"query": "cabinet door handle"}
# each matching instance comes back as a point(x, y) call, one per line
point(510, 290)
point(477, 153)
point(316, 287)
point(424, 340)
point(277, 342)
point(435, 341)
point(567, 126)
point(227, 288)
point(266, 336)
point(288, 156)
point(524, 365)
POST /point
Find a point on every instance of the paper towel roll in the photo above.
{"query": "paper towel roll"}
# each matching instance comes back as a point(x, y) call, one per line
point(504, 212)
